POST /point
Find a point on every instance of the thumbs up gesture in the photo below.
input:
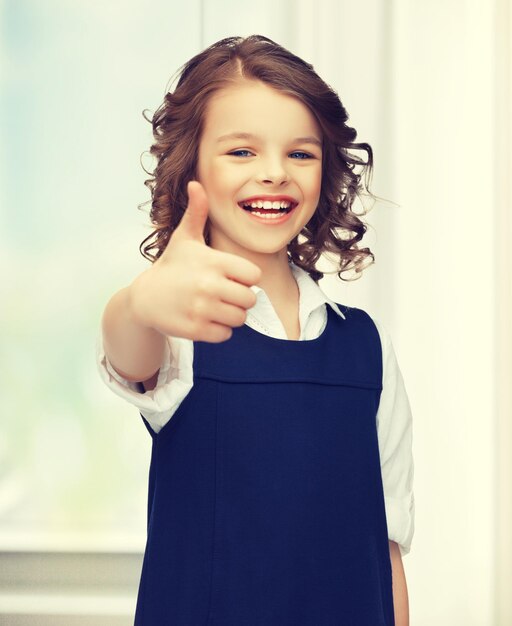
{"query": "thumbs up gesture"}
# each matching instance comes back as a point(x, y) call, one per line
point(192, 290)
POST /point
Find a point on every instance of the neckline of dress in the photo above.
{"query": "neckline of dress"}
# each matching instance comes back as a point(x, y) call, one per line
point(269, 338)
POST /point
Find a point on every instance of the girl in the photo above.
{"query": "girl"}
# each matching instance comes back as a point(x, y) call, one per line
point(280, 485)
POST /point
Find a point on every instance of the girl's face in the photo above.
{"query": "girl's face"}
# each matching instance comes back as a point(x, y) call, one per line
point(282, 157)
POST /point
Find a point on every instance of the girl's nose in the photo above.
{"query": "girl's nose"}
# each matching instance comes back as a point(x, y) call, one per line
point(274, 173)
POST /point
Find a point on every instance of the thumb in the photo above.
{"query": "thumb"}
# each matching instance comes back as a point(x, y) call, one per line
point(194, 219)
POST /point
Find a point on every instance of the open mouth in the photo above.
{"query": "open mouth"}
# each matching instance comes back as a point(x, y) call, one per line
point(268, 208)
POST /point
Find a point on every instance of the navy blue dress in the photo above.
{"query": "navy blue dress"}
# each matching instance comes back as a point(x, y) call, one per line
point(266, 504)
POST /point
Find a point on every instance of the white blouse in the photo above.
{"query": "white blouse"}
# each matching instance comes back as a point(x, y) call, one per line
point(394, 419)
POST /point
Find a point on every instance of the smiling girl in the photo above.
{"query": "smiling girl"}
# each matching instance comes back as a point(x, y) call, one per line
point(280, 486)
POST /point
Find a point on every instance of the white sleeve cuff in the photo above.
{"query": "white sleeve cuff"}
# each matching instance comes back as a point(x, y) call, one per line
point(400, 520)
point(174, 382)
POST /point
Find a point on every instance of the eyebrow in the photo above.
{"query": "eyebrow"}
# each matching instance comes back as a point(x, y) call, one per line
point(240, 135)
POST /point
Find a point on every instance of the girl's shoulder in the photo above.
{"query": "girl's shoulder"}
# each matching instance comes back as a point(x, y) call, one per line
point(364, 320)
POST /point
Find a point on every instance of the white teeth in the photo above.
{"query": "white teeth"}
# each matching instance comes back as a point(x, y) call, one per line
point(268, 216)
point(267, 204)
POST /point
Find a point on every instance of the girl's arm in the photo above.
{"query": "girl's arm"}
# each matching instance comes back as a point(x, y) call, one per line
point(134, 350)
point(400, 596)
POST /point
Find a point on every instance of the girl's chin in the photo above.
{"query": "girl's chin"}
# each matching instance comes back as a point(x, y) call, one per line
point(251, 245)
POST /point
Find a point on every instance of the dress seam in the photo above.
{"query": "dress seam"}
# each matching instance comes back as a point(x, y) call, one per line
point(209, 616)
point(316, 381)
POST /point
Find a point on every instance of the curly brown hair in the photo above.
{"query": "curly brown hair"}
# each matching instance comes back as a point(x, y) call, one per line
point(177, 128)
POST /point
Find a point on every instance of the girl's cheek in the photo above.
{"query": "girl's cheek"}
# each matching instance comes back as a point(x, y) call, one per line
point(232, 176)
point(221, 169)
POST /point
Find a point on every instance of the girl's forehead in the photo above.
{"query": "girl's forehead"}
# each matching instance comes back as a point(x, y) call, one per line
point(247, 91)
point(255, 104)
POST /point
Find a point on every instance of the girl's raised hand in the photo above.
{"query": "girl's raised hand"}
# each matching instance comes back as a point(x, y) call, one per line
point(192, 290)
